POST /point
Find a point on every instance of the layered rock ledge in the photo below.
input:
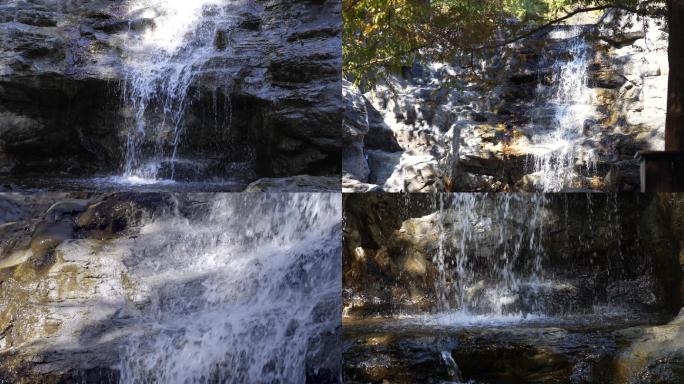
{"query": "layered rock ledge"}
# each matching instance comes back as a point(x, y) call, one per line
point(265, 104)
point(431, 129)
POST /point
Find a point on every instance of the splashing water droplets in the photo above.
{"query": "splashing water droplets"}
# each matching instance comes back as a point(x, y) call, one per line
point(245, 292)
point(162, 64)
point(476, 276)
point(571, 102)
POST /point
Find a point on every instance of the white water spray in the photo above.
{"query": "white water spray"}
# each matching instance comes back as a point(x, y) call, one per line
point(502, 258)
point(248, 291)
point(161, 65)
point(476, 275)
point(571, 100)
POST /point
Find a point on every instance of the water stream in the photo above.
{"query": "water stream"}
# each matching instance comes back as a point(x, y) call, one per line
point(162, 65)
point(247, 290)
point(569, 98)
point(467, 223)
point(515, 287)
point(503, 257)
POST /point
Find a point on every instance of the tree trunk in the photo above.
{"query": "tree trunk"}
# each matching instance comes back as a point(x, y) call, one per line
point(674, 126)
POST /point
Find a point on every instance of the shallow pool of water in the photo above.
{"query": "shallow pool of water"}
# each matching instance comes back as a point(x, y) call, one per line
point(118, 184)
point(475, 349)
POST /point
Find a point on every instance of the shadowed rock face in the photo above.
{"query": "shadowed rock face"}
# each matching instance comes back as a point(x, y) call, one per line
point(588, 249)
point(268, 96)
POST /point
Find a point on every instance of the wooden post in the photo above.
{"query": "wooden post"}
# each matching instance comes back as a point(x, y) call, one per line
point(663, 171)
point(674, 125)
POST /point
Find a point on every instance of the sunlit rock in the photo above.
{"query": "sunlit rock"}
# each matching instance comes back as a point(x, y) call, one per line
point(557, 112)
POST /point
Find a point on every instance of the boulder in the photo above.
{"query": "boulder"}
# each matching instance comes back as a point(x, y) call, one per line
point(354, 127)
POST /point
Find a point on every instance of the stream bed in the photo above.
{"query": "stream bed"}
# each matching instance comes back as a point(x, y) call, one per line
point(481, 349)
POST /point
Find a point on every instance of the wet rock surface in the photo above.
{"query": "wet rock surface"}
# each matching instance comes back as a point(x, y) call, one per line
point(381, 351)
point(45, 270)
point(605, 310)
point(73, 292)
point(430, 129)
point(301, 183)
point(593, 249)
point(269, 94)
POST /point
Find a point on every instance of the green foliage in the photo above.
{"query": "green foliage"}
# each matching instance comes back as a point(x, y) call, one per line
point(393, 33)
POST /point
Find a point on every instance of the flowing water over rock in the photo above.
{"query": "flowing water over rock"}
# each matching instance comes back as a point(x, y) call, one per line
point(238, 298)
point(162, 64)
point(566, 109)
point(505, 254)
point(466, 242)
point(186, 288)
point(570, 100)
point(511, 287)
point(156, 94)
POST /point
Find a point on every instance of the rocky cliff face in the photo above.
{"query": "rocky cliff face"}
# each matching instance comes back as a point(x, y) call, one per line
point(555, 112)
point(267, 95)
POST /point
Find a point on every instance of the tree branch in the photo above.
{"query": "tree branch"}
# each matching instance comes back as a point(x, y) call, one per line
point(558, 20)
point(551, 23)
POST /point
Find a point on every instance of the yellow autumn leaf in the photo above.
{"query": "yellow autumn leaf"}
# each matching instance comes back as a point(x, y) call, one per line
point(370, 28)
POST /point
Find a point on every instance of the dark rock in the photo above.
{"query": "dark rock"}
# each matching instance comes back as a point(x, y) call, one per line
point(354, 128)
point(122, 211)
point(300, 183)
point(114, 26)
point(605, 78)
point(221, 39)
point(668, 369)
point(379, 135)
point(36, 18)
point(274, 77)
point(391, 353)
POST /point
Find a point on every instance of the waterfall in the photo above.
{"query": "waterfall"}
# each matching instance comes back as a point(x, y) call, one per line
point(570, 99)
point(161, 65)
point(480, 261)
point(505, 256)
point(247, 289)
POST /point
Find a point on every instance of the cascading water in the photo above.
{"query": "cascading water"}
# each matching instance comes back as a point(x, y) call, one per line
point(570, 100)
point(481, 273)
point(494, 288)
point(246, 290)
point(161, 66)
point(494, 261)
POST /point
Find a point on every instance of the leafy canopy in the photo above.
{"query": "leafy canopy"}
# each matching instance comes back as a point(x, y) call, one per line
point(394, 33)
